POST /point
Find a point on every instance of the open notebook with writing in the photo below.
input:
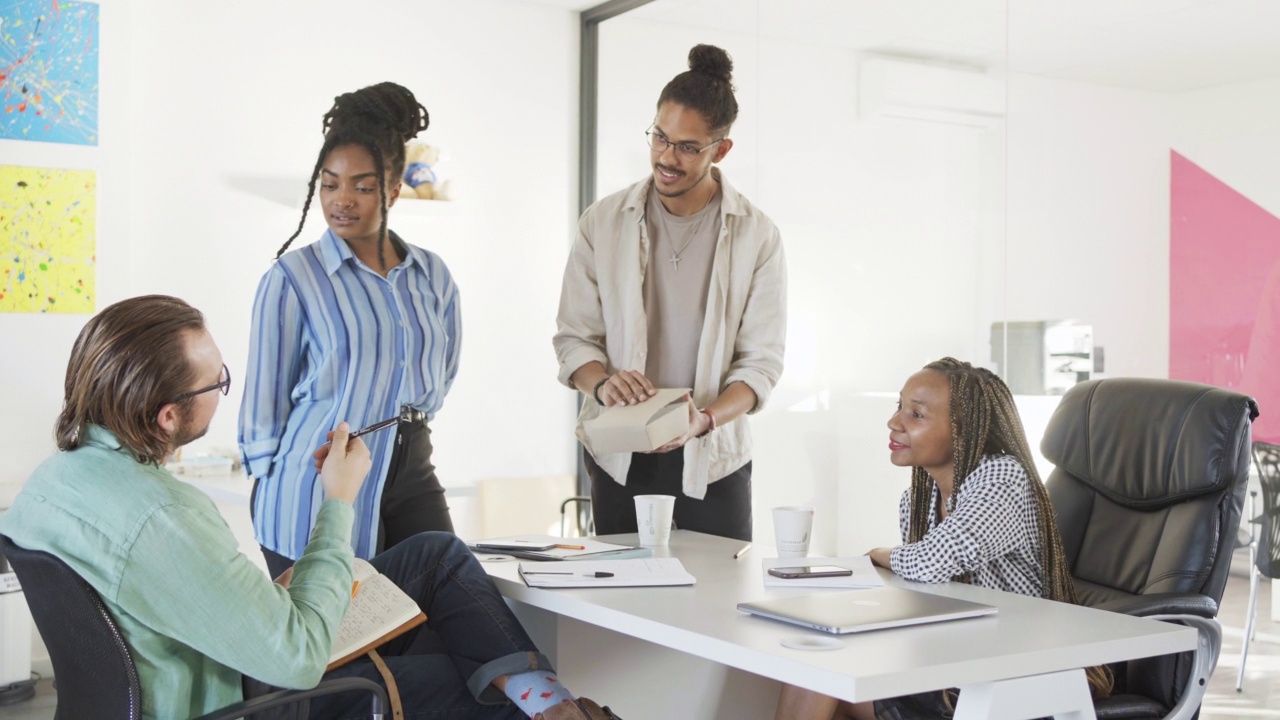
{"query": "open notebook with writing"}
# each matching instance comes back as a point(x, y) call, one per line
point(379, 611)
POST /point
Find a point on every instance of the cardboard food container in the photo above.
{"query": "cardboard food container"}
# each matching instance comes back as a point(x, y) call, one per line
point(642, 427)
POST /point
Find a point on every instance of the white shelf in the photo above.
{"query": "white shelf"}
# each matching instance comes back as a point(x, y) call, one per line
point(424, 208)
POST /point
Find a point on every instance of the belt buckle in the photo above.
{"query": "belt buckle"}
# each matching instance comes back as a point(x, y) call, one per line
point(409, 415)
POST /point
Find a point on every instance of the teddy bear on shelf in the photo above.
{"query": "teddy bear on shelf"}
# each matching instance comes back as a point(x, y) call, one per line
point(422, 174)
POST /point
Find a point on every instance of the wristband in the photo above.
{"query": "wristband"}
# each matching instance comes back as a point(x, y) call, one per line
point(712, 416)
point(595, 391)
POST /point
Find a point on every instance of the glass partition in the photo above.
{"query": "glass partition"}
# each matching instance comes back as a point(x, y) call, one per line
point(1057, 191)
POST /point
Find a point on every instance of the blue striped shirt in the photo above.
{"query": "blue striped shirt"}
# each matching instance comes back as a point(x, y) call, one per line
point(332, 340)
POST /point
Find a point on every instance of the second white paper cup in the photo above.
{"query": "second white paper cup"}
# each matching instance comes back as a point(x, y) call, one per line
point(792, 526)
point(653, 518)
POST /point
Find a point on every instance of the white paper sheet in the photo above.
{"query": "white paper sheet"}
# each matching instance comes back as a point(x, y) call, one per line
point(864, 572)
point(625, 573)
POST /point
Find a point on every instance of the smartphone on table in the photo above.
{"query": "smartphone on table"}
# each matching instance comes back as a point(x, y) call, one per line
point(809, 571)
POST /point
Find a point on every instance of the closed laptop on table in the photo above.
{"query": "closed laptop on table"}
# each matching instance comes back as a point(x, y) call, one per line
point(862, 610)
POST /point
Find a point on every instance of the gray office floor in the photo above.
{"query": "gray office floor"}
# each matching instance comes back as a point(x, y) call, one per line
point(1260, 699)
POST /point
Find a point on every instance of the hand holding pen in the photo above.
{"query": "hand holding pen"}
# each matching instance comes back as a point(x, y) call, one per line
point(344, 466)
point(323, 451)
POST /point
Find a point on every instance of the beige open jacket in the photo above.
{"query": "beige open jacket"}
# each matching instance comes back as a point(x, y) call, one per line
point(602, 318)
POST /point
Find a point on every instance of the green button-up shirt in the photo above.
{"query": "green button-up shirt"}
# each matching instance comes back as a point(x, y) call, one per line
point(195, 612)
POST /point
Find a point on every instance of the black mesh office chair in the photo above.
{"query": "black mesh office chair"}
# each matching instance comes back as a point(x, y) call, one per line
point(1148, 486)
point(1265, 553)
point(92, 667)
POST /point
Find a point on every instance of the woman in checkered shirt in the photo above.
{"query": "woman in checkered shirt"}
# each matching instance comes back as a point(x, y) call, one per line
point(976, 512)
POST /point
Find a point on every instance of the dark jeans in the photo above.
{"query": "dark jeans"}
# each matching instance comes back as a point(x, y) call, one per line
point(413, 500)
point(444, 668)
point(725, 511)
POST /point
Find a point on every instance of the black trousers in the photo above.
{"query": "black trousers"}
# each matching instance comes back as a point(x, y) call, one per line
point(725, 511)
point(413, 500)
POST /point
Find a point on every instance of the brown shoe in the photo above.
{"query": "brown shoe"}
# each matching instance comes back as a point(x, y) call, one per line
point(580, 709)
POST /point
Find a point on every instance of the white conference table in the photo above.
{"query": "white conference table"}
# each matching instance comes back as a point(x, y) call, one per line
point(688, 653)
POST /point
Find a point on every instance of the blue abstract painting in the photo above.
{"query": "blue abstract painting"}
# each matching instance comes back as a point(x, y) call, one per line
point(49, 71)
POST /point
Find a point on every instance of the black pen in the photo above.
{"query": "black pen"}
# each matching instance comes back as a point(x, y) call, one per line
point(372, 428)
point(376, 426)
point(596, 574)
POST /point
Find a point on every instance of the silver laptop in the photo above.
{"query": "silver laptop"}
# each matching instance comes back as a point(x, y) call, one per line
point(863, 610)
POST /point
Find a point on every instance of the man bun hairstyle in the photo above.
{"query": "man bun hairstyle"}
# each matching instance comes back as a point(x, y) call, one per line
point(380, 118)
point(128, 361)
point(707, 86)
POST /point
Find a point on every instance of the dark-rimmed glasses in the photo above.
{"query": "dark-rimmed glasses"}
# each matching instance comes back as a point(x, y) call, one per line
point(659, 143)
point(224, 386)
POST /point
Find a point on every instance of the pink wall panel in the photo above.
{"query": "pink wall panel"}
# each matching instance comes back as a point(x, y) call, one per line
point(1224, 290)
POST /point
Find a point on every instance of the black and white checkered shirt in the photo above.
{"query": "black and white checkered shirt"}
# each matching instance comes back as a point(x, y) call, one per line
point(990, 533)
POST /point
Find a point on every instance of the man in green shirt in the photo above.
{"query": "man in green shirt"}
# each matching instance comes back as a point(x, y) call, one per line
point(145, 378)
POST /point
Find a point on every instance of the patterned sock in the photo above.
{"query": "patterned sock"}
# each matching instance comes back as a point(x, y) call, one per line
point(534, 692)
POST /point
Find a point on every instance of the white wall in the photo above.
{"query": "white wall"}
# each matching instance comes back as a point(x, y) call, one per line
point(1233, 132)
point(1088, 215)
point(210, 117)
point(230, 97)
point(210, 125)
point(35, 347)
point(906, 240)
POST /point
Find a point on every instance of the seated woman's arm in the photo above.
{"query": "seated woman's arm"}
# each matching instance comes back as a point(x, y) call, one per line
point(986, 524)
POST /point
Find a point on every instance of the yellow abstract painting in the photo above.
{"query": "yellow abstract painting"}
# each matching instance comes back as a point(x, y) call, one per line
point(48, 220)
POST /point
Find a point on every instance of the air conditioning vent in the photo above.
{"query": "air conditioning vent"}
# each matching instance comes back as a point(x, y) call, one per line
point(916, 91)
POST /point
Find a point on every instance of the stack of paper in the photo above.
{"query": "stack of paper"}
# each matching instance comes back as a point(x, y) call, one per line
point(864, 572)
point(550, 547)
point(607, 573)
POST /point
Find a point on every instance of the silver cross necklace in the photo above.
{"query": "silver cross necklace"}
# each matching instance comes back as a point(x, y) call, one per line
point(675, 254)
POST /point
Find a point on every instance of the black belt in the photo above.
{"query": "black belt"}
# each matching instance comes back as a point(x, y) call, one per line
point(409, 415)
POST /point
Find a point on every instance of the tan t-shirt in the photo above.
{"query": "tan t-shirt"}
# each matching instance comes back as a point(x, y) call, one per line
point(681, 250)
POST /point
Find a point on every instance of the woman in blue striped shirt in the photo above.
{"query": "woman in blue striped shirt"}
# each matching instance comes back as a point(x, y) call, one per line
point(357, 326)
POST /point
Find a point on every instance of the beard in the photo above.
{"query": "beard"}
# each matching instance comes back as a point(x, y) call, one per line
point(678, 193)
point(187, 431)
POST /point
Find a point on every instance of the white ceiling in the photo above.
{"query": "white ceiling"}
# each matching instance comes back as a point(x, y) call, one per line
point(1158, 45)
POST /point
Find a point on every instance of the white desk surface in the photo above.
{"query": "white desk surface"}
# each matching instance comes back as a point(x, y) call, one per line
point(1029, 636)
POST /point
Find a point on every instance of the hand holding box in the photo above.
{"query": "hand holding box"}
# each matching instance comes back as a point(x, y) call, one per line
point(641, 427)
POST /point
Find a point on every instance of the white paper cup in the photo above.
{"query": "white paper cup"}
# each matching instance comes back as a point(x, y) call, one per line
point(792, 526)
point(653, 518)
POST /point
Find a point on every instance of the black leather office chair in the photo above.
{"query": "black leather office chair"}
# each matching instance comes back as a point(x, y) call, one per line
point(1148, 488)
point(1264, 553)
point(92, 667)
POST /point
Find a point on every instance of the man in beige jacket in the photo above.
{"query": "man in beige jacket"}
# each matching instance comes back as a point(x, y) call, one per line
point(677, 282)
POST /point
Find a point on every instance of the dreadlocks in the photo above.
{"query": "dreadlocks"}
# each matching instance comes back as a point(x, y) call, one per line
point(380, 118)
point(985, 421)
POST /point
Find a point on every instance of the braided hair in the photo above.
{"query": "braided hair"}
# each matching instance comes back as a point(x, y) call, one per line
point(380, 118)
point(707, 86)
point(985, 421)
